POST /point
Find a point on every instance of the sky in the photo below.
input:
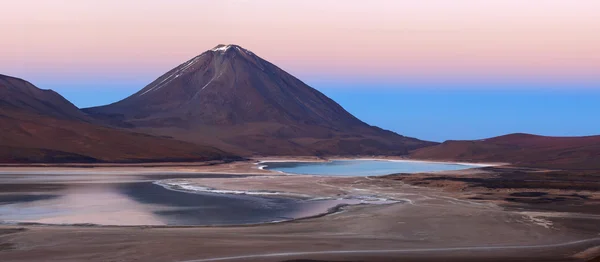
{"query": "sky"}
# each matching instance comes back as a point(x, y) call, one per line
point(432, 69)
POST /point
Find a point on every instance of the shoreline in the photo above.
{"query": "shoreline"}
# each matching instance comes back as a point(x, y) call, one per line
point(348, 201)
point(428, 218)
point(181, 187)
point(249, 167)
point(331, 211)
point(263, 164)
point(296, 206)
point(292, 160)
point(193, 164)
point(473, 164)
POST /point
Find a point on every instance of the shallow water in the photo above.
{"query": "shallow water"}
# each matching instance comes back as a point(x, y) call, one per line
point(139, 200)
point(146, 203)
point(361, 167)
point(202, 208)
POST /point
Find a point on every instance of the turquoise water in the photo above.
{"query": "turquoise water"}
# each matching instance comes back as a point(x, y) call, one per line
point(360, 167)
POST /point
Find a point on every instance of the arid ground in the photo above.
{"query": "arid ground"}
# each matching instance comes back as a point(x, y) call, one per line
point(471, 215)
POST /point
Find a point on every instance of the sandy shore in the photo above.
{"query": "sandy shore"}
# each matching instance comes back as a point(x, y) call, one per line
point(240, 167)
point(430, 224)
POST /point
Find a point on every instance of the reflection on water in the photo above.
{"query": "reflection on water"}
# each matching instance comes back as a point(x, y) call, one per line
point(87, 204)
point(14, 198)
point(361, 167)
point(112, 198)
point(145, 203)
point(181, 208)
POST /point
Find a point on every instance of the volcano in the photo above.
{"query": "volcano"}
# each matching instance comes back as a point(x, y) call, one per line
point(232, 99)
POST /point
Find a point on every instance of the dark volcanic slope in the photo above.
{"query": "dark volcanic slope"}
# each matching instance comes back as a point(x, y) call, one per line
point(521, 149)
point(41, 126)
point(233, 99)
point(18, 94)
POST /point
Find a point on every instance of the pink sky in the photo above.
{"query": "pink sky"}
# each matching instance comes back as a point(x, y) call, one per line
point(547, 39)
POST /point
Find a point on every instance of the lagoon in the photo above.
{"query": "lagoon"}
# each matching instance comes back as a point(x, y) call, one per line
point(362, 167)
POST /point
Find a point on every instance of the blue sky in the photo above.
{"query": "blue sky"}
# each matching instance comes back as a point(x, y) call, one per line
point(467, 114)
point(462, 69)
point(434, 112)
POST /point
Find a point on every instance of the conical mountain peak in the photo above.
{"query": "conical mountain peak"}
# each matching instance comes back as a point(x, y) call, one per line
point(230, 96)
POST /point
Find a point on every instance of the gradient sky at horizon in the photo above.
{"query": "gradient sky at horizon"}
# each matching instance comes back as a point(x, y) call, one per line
point(544, 54)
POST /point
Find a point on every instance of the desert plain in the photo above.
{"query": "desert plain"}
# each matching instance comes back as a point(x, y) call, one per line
point(477, 214)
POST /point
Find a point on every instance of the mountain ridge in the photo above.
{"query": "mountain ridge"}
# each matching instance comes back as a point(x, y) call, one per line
point(520, 149)
point(42, 126)
point(20, 94)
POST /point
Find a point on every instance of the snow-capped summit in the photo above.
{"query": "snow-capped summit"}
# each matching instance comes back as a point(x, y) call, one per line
point(241, 103)
point(222, 48)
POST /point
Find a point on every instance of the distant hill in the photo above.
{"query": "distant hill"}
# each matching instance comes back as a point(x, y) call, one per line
point(41, 126)
point(230, 98)
point(521, 149)
point(19, 95)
